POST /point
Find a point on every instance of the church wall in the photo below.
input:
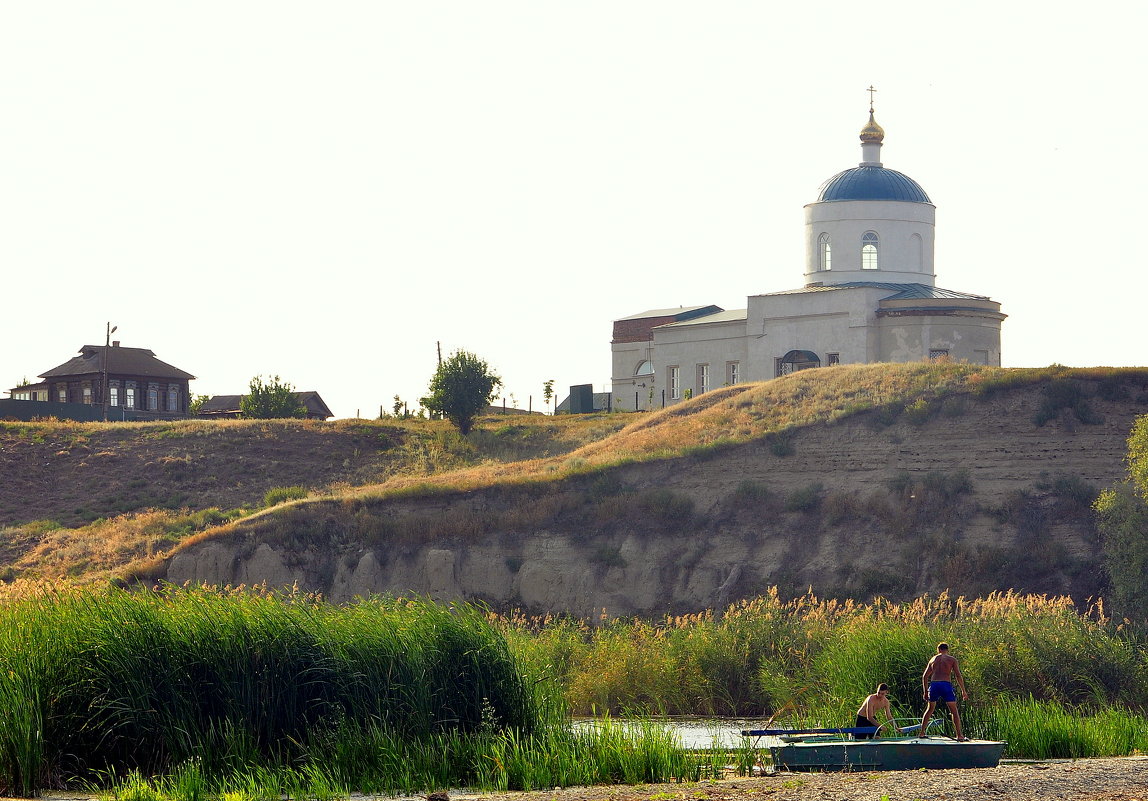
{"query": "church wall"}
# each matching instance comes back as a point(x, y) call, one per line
point(837, 321)
point(901, 258)
point(626, 357)
point(966, 339)
point(687, 347)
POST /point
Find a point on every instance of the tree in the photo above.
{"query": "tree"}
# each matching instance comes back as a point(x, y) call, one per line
point(548, 392)
point(1122, 517)
point(462, 387)
point(1138, 455)
point(276, 398)
point(197, 404)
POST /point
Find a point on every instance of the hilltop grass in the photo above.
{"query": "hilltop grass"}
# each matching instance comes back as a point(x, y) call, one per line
point(538, 458)
point(741, 413)
point(583, 485)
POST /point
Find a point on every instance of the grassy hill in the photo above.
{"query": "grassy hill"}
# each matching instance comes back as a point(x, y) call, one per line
point(889, 479)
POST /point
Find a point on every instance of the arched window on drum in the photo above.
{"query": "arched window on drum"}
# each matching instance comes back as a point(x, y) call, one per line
point(869, 251)
point(824, 253)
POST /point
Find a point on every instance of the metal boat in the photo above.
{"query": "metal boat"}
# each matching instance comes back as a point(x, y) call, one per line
point(831, 749)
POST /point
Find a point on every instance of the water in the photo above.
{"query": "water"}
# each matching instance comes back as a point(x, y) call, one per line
point(697, 733)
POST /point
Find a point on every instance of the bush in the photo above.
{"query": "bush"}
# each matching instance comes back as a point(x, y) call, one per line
point(1066, 394)
point(279, 495)
point(781, 443)
point(806, 499)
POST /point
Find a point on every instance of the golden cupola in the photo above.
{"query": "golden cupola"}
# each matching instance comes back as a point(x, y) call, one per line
point(872, 132)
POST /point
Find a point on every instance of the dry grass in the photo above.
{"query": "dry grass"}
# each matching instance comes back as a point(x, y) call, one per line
point(529, 454)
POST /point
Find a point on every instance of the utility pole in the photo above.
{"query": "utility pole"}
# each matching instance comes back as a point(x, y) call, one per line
point(104, 390)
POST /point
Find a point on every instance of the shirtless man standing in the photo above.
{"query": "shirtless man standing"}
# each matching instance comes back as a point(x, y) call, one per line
point(867, 714)
point(937, 685)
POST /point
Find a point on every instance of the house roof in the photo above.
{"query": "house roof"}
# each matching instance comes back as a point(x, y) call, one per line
point(121, 361)
point(229, 404)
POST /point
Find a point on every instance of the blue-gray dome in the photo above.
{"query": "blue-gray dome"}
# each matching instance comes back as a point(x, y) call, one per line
point(872, 183)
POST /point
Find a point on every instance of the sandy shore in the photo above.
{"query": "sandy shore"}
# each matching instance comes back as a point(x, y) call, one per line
point(1121, 779)
point(1116, 779)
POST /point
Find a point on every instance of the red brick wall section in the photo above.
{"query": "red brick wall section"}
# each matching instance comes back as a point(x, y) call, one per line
point(638, 330)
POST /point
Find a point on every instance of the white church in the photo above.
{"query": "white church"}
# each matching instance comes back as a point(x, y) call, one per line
point(870, 295)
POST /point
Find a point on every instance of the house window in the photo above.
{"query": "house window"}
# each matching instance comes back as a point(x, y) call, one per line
point(675, 383)
point(938, 354)
point(703, 378)
point(173, 399)
point(833, 358)
point(62, 395)
point(825, 251)
point(88, 395)
point(153, 399)
point(114, 395)
point(130, 397)
point(734, 372)
point(869, 251)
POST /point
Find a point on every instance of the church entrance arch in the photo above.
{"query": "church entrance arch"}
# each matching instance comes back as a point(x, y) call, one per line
point(797, 360)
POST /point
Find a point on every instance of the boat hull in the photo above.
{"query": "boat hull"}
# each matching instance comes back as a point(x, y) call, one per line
point(887, 754)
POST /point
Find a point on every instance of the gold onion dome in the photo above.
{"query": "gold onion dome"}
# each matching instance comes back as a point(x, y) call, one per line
point(872, 132)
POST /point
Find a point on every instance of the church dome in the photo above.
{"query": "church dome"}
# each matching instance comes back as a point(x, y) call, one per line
point(872, 183)
point(872, 132)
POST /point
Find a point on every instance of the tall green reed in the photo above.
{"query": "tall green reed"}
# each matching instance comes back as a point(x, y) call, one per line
point(114, 681)
point(1047, 730)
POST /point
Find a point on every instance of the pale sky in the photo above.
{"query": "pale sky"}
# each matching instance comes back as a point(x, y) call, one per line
point(323, 191)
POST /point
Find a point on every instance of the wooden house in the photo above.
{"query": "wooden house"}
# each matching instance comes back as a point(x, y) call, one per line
point(126, 379)
point(223, 406)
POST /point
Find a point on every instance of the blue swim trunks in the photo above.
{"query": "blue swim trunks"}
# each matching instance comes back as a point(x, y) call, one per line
point(941, 691)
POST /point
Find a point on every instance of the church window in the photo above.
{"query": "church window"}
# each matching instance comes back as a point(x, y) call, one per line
point(734, 372)
point(645, 368)
point(826, 253)
point(833, 358)
point(869, 251)
point(703, 378)
point(938, 354)
point(675, 383)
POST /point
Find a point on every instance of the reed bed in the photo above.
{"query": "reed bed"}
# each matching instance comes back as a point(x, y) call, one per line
point(99, 684)
point(810, 660)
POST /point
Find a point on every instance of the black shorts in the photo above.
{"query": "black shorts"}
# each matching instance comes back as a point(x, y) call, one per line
point(862, 723)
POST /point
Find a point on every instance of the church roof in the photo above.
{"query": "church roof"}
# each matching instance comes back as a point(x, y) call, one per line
point(872, 183)
point(900, 291)
point(730, 315)
point(677, 311)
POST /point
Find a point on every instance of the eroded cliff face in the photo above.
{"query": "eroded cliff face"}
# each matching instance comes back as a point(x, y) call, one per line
point(972, 499)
